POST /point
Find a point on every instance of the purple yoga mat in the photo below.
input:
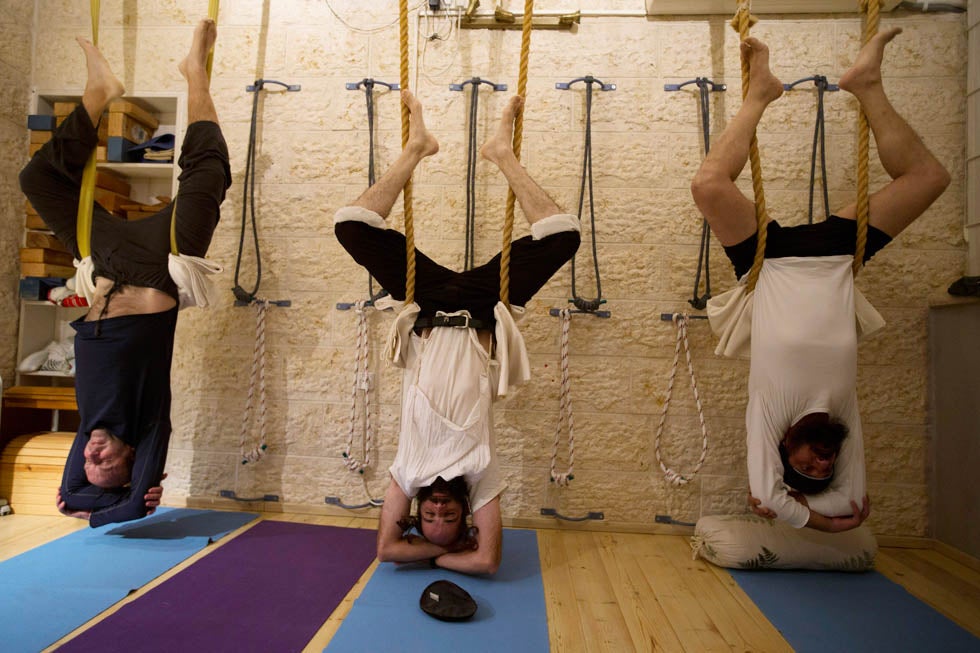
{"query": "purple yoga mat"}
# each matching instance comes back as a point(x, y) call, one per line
point(269, 589)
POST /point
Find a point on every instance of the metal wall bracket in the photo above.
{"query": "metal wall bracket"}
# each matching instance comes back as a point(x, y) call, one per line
point(551, 512)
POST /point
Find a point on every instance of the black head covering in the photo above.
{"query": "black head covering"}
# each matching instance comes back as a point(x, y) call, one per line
point(798, 480)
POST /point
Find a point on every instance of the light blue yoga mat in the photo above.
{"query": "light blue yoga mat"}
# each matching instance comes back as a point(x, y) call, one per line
point(821, 611)
point(510, 616)
point(47, 592)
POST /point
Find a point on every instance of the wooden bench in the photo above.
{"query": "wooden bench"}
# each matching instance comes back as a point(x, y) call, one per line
point(42, 397)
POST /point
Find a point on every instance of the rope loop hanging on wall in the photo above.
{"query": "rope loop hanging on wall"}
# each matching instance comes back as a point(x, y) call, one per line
point(564, 409)
point(675, 478)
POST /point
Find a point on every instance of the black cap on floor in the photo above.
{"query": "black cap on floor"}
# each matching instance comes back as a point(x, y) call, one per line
point(447, 601)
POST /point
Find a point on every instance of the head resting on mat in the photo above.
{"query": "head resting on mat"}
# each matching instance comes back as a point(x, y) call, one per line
point(442, 511)
point(809, 451)
point(108, 460)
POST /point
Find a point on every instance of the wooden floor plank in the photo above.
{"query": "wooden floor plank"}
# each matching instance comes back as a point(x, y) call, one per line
point(726, 612)
point(944, 591)
point(650, 628)
point(564, 624)
point(594, 595)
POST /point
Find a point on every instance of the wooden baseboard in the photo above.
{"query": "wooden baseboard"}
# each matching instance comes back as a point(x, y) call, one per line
point(953, 553)
point(904, 542)
point(373, 513)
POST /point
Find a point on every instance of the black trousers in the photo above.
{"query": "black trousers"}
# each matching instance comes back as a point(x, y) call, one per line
point(130, 253)
point(437, 288)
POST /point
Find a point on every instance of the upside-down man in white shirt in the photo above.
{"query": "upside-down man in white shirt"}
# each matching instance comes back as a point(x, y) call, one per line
point(805, 446)
point(460, 349)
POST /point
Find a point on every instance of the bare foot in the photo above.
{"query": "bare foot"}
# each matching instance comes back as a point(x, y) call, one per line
point(501, 143)
point(866, 70)
point(420, 139)
point(196, 61)
point(102, 86)
point(763, 85)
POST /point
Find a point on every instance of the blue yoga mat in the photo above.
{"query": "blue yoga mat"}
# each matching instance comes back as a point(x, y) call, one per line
point(836, 611)
point(510, 616)
point(47, 592)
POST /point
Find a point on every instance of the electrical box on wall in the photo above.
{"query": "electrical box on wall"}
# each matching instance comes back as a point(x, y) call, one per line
point(690, 7)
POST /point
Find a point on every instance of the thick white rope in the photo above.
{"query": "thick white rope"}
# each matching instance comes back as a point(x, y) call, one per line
point(564, 408)
point(258, 372)
point(361, 385)
point(672, 477)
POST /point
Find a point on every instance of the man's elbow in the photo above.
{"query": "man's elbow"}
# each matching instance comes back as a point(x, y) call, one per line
point(490, 562)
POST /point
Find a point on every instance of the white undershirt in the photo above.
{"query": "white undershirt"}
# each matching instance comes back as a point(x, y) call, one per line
point(804, 360)
point(447, 415)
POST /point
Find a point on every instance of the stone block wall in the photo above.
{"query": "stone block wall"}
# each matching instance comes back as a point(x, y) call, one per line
point(312, 159)
point(16, 26)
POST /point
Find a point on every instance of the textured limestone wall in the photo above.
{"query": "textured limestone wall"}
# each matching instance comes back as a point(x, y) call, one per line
point(15, 74)
point(312, 159)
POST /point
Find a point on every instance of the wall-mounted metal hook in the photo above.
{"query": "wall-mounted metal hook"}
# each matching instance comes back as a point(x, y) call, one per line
point(699, 81)
point(260, 84)
point(818, 80)
point(588, 79)
point(476, 81)
point(551, 512)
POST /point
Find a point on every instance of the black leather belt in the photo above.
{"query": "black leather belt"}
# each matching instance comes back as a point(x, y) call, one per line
point(456, 321)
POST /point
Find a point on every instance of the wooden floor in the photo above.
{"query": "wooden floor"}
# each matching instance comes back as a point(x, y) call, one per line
point(612, 592)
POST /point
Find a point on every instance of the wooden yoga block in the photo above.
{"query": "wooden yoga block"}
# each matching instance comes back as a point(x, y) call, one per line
point(46, 270)
point(44, 240)
point(136, 112)
point(29, 208)
point(31, 467)
point(109, 181)
point(111, 202)
point(138, 215)
point(125, 126)
point(64, 109)
point(33, 148)
point(38, 136)
point(34, 221)
point(41, 255)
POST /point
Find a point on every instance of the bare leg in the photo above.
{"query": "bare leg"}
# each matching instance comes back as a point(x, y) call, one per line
point(194, 69)
point(421, 143)
point(102, 86)
point(918, 179)
point(730, 214)
point(499, 149)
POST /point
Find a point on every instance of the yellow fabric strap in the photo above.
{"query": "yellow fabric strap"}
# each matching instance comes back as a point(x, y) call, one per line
point(407, 191)
point(870, 9)
point(518, 140)
point(86, 194)
point(213, 15)
point(742, 21)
